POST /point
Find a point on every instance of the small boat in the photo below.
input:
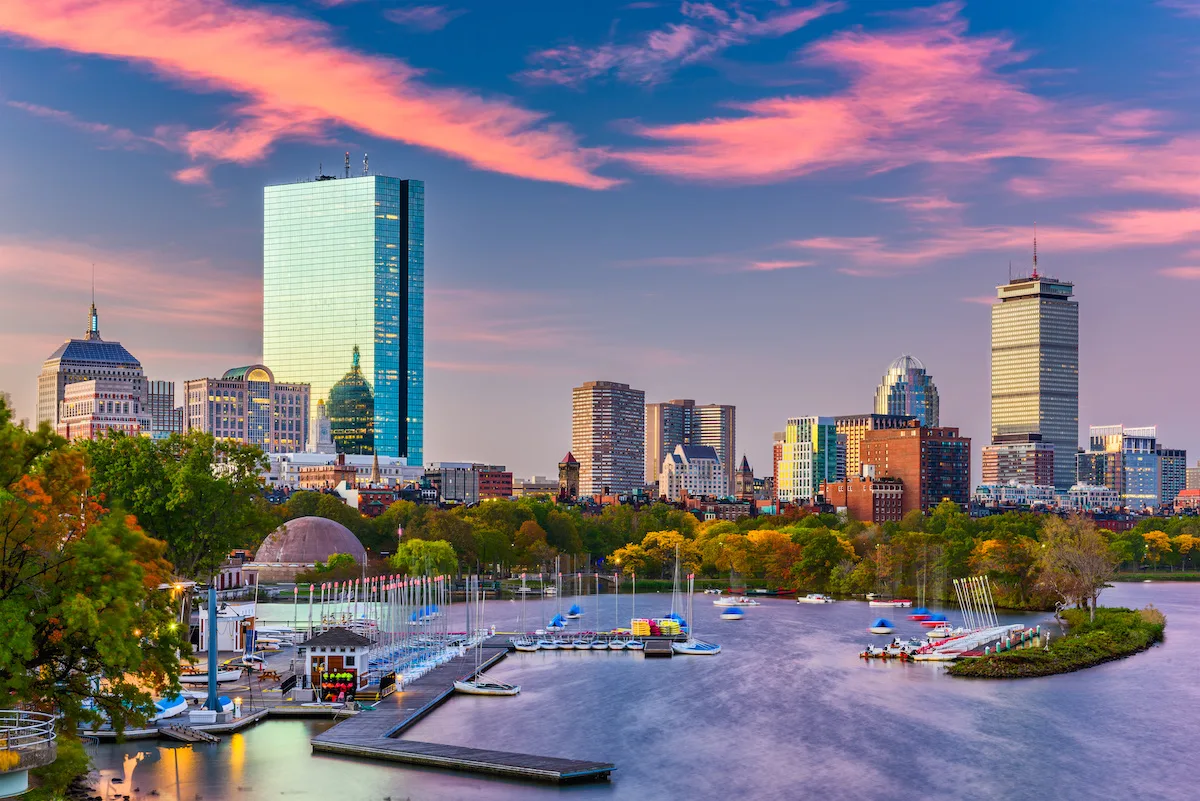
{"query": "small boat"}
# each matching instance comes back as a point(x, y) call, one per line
point(574, 613)
point(202, 678)
point(525, 644)
point(598, 645)
point(557, 623)
point(740, 600)
point(548, 644)
point(581, 644)
point(919, 614)
point(481, 685)
point(732, 613)
point(635, 645)
point(711, 591)
point(696, 648)
point(941, 632)
point(814, 598)
point(617, 644)
point(566, 644)
point(933, 621)
point(881, 626)
point(893, 603)
point(169, 707)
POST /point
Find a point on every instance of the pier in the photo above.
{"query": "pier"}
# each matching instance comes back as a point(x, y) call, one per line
point(376, 734)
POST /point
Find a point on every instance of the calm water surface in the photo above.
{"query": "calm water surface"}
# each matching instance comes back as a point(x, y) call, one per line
point(786, 710)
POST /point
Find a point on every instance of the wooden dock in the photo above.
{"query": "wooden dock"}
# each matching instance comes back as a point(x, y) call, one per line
point(376, 734)
point(658, 646)
point(186, 734)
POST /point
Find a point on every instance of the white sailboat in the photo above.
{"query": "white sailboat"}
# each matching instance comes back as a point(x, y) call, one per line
point(617, 643)
point(523, 642)
point(479, 684)
point(633, 643)
point(693, 646)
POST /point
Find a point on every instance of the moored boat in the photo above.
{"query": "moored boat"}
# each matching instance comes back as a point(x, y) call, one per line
point(635, 645)
point(732, 613)
point(525, 644)
point(891, 603)
point(696, 648)
point(919, 614)
point(881, 626)
point(814, 598)
point(739, 600)
point(547, 644)
point(169, 707)
point(484, 686)
point(223, 676)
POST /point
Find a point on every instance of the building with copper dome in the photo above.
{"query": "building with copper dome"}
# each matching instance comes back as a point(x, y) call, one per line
point(352, 411)
point(908, 389)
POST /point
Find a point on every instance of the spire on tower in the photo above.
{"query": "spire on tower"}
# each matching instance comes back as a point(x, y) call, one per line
point(93, 327)
point(1035, 272)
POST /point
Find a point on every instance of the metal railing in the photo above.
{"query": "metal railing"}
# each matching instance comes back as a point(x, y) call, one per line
point(27, 736)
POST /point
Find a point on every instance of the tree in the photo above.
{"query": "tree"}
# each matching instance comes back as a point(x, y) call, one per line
point(1076, 561)
point(424, 558)
point(562, 534)
point(633, 559)
point(820, 554)
point(1158, 544)
point(196, 494)
point(336, 561)
point(84, 627)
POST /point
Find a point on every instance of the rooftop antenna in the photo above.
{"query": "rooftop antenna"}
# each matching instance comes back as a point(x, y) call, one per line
point(1010, 271)
point(320, 168)
point(347, 163)
point(366, 164)
point(1035, 272)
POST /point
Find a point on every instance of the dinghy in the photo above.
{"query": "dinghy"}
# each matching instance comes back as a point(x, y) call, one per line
point(169, 707)
point(881, 626)
point(479, 684)
point(732, 613)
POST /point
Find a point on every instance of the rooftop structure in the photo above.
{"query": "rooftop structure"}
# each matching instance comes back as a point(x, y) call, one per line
point(908, 390)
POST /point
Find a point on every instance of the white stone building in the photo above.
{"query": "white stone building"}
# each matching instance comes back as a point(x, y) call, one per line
point(692, 469)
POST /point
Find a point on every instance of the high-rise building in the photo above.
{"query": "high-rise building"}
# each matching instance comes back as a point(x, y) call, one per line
point(1193, 477)
point(248, 405)
point(1035, 367)
point(776, 456)
point(908, 390)
point(352, 411)
point(165, 417)
point(90, 409)
point(1127, 461)
point(90, 358)
point(1173, 467)
point(808, 457)
point(344, 268)
point(1024, 462)
point(851, 428)
point(608, 437)
point(934, 464)
point(682, 422)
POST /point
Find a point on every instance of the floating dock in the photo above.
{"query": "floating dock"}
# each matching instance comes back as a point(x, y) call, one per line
point(376, 734)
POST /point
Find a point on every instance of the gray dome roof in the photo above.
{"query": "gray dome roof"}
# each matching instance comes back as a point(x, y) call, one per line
point(309, 539)
point(906, 363)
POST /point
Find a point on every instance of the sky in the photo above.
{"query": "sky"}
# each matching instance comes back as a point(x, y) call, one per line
point(760, 203)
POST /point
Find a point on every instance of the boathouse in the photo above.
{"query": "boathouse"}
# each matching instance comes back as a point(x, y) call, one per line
point(336, 661)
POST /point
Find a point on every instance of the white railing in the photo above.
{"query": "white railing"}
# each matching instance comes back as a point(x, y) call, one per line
point(28, 735)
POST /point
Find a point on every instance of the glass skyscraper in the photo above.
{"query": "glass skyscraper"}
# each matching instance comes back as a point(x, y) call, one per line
point(344, 270)
point(907, 389)
point(1035, 368)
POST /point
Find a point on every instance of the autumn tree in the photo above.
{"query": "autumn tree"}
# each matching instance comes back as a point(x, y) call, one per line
point(1158, 544)
point(84, 628)
point(1076, 561)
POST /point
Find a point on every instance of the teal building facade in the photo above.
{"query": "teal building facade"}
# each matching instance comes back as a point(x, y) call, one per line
point(343, 274)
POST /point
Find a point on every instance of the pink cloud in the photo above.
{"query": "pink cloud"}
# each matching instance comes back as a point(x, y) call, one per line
point(120, 137)
point(424, 18)
point(778, 264)
point(707, 31)
point(1186, 273)
point(296, 81)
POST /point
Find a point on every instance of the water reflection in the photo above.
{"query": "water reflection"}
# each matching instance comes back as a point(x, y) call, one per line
point(787, 709)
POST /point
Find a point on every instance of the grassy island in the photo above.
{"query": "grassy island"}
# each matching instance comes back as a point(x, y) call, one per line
point(1113, 634)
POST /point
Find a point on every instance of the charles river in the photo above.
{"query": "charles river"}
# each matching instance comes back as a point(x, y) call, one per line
point(787, 710)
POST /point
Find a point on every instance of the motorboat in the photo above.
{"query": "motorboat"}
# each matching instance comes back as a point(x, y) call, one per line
point(223, 676)
point(739, 600)
point(881, 626)
point(919, 614)
point(891, 603)
point(696, 648)
point(711, 591)
point(169, 707)
point(934, 621)
point(814, 598)
point(481, 685)
point(732, 613)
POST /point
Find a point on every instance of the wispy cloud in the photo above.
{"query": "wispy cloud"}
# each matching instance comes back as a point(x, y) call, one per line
point(297, 81)
point(706, 31)
point(424, 18)
point(1185, 8)
point(1185, 273)
point(719, 262)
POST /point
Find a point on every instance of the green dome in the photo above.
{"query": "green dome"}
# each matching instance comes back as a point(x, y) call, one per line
point(351, 410)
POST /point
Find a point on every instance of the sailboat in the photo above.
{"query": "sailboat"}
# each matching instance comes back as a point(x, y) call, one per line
point(576, 612)
point(480, 684)
point(634, 644)
point(694, 646)
point(598, 644)
point(616, 643)
point(523, 642)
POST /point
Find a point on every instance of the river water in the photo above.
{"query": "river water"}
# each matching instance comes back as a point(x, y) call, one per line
point(786, 710)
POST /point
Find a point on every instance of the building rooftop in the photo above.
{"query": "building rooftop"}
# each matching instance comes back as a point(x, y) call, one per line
point(337, 637)
point(94, 350)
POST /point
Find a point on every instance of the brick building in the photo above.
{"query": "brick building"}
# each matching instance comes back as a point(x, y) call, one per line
point(1025, 462)
point(495, 482)
point(934, 464)
point(869, 500)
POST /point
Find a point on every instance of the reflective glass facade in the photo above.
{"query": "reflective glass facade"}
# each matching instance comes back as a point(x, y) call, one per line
point(907, 389)
point(344, 266)
point(809, 456)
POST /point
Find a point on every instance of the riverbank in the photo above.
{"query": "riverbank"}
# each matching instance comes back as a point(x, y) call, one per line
point(1114, 634)
point(1156, 575)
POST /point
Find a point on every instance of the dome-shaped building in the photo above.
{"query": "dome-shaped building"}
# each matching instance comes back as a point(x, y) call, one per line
point(352, 411)
point(908, 389)
point(299, 543)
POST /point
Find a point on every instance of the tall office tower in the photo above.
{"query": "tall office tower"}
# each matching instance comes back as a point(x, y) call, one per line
point(608, 437)
point(344, 268)
point(908, 390)
point(808, 457)
point(1173, 466)
point(934, 464)
point(165, 417)
point(682, 422)
point(1127, 461)
point(90, 358)
point(851, 428)
point(1035, 367)
point(248, 405)
point(1025, 462)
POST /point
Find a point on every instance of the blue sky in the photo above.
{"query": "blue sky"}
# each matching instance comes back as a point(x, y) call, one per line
point(758, 203)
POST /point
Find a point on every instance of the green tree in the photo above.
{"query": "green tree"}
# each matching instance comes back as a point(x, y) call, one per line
point(562, 534)
point(336, 561)
point(820, 554)
point(1076, 561)
point(84, 627)
point(424, 558)
point(198, 495)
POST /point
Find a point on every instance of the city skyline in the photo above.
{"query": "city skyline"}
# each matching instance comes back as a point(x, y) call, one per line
point(910, 224)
